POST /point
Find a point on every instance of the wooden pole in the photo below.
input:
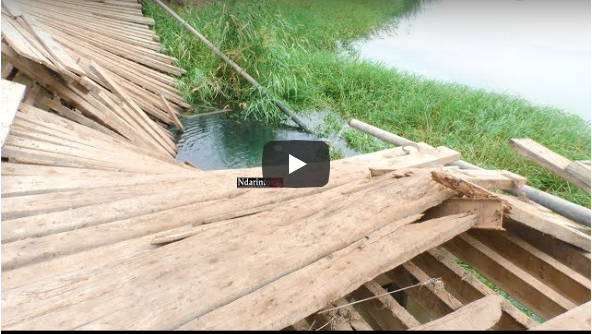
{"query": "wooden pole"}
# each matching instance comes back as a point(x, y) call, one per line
point(565, 208)
point(239, 69)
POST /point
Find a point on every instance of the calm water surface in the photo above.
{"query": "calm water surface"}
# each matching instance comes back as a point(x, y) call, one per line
point(218, 142)
point(536, 49)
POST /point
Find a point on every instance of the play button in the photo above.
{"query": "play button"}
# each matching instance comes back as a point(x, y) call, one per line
point(294, 164)
point(297, 163)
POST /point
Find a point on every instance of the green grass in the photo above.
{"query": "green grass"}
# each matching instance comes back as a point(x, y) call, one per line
point(291, 47)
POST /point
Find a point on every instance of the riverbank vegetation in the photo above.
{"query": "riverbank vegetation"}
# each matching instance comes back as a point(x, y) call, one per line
point(300, 51)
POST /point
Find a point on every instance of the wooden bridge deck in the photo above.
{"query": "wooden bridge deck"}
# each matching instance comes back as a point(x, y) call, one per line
point(103, 229)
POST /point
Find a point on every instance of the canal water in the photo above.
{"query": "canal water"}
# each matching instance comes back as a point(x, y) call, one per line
point(536, 49)
point(216, 142)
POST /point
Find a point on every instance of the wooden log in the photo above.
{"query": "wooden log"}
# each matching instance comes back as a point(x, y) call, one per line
point(462, 186)
point(301, 325)
point(481, 315)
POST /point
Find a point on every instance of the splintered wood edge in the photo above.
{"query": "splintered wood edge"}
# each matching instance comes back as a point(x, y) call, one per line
point(466, 188)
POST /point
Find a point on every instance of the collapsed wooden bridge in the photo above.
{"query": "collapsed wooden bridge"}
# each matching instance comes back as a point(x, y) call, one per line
point(103, 229)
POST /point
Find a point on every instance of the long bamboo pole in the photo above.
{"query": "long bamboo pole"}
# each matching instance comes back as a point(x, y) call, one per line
point(565, 208)
point(239, 69)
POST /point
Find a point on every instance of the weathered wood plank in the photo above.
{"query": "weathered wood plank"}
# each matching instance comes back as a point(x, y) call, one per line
point(538, 297)
point(347, 269)
point(548, 222)
point(569, 255)
point(467, 288)
point(311, 239)
point(12, 95)
point(489, 211)
point(576, 319)
point(550, 160)
point(432, 297)
point(384, 309)
point(479, 315)
point(557, 276)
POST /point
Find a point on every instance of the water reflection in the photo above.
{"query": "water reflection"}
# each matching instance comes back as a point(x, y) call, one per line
point(218, 142)
point(537, 49)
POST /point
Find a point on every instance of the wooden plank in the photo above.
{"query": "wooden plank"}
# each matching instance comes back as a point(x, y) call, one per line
point(384, 309)
point(9, 72)
point(241, 277)
point(461, 185)
point(32, 94)
point(354, 319)
point(489, 211)
point(548, 222)
point(344, 319)
point(550, 160)
point(467, 288)
point(479, 315)
point(77, 117)
point(12, 95)
point(283, 299)
point(432, 297)
point(570, 256)
point(301, 325)
point(580, 170)
point(52, 46)
point(491, 179)
point(172, 114)
point(576, 319)
point(425, 158)
point(156, 133)
point(538, 264)
point(535, 295)
point(522, 211)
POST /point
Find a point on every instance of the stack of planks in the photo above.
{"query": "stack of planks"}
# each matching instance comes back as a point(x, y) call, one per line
point(103, 229)
point(108, 65)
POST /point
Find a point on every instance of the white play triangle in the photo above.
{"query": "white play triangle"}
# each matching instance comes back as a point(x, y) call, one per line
point(294, 164)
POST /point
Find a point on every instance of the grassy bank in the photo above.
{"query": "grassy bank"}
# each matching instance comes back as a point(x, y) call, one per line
point(292, 47)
